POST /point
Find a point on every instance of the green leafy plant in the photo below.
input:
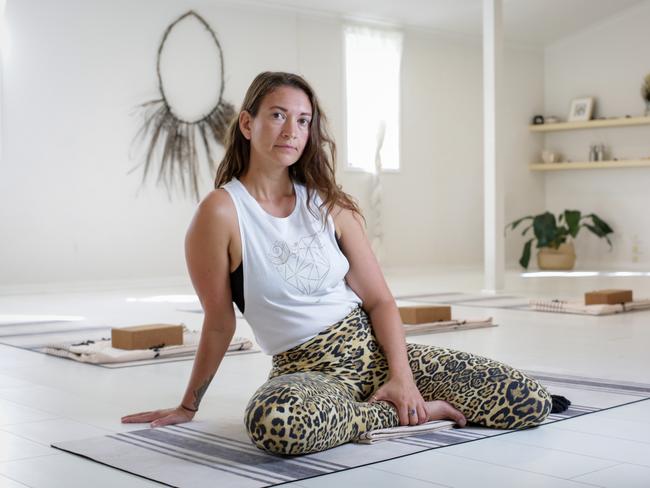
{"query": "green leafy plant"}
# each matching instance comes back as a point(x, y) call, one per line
point(552, 232)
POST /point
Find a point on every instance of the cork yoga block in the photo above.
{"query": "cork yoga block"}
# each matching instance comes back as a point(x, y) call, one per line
point(425, 314)
point(147, 336)
point(608, 297)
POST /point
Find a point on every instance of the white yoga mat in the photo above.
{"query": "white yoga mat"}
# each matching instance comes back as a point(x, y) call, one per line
point(101, 352)
point(578, 307)
point(448, 326)
point(90, 344)
point(525, 304)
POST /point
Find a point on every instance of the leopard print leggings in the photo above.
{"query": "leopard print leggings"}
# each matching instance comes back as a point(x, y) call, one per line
point(316, 395)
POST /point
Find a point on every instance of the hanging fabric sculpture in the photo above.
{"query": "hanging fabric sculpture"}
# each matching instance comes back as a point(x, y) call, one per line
point(375, 197)
point(171, 124)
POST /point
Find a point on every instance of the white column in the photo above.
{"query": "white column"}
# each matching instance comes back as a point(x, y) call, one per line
point(3, 34)
point(493, 188)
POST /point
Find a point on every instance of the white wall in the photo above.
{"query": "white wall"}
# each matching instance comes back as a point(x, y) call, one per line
point(441, 177)
point(607, 61)
point(76, 70)
point(432, 209)
point(524, 86)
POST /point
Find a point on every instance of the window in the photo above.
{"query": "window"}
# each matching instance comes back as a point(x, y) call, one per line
point(372, 81)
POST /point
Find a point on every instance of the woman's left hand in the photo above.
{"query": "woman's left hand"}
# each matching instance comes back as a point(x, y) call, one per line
point(405, 396)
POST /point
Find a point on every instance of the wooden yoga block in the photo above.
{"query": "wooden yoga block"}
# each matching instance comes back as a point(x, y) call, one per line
point(146, 336)
point(425, 314)
point(607, 297)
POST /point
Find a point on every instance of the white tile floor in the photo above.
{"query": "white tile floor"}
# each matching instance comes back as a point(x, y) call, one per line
point(44, 399)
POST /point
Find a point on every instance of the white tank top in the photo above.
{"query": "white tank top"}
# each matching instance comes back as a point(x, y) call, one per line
point(294, 271)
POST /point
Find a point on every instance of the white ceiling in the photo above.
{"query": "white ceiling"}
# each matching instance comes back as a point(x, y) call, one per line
point(536, 22)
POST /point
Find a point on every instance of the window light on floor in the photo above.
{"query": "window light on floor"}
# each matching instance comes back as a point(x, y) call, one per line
point(166, 299)
point(582, 274)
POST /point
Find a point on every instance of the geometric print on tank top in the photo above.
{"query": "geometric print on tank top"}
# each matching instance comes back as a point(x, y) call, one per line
point(304, 265)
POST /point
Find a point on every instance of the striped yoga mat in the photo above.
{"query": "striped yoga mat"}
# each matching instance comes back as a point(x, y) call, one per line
point(207, 454)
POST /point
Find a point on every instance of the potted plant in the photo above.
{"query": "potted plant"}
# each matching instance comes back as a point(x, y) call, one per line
point(556, 251)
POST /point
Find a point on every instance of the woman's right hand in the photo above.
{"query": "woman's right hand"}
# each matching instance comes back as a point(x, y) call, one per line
point(158, 418)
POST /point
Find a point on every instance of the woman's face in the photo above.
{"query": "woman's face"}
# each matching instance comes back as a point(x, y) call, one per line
point(280, 130)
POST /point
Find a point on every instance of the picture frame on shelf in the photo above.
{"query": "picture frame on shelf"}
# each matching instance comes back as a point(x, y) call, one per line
point(581, 109)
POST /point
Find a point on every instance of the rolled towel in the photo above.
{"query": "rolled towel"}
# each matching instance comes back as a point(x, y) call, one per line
point(374, 436)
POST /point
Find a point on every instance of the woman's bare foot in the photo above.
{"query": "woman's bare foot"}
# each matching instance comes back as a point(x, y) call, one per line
point(441, 410)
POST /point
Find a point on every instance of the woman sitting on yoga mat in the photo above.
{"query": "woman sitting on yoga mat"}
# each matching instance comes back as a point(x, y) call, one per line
point(279, 238)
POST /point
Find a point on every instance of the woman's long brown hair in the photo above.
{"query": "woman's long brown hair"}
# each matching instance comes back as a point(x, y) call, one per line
point(316, 167)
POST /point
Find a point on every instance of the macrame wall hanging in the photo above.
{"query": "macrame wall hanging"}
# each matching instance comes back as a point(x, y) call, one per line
point(191, 116)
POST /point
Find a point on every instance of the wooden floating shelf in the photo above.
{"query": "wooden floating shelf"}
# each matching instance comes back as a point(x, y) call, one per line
point(591, 124)
point(626, 163)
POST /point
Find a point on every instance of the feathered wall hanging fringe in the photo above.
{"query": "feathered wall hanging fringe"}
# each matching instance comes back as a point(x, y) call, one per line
point(172, 141)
